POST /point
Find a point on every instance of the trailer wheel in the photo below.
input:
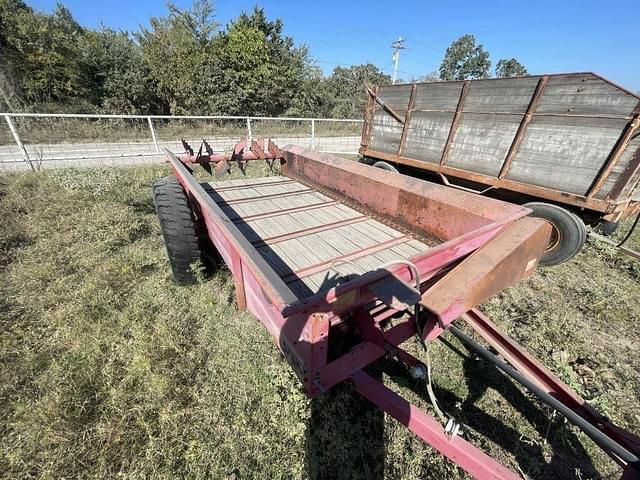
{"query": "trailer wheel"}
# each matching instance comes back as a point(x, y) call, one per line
point(385, 166)
point(178, 227)
point(568, 234)
point(366, 160)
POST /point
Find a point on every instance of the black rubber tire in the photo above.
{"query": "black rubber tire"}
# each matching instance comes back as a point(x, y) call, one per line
point(570, 231)
point(366, 160)
point(385, 166)
point(178, 226)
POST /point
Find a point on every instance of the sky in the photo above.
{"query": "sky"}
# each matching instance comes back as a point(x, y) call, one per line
point(546, 36)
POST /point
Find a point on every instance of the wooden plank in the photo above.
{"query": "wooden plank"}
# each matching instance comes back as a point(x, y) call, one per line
point(279, 212)
point(261, 197)
point(322, 266)
point(427, 136)
point(501, 95)
point(482, 142)
point(365, 140)
point(395, 96)
point(386, 132)
point(585, 94)
point(222, 187)
point(454, 122)
point(438, 96)
point(256, 207)
point(626, 179)
point(564, 154)
point(517, 141)
point(306, 231)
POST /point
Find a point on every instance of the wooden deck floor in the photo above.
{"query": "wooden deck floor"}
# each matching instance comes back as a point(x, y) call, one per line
point(311, 240)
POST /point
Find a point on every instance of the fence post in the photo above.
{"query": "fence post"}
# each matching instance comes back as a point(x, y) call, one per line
point(16, 137)
point(313, 134)
point(249, 134)
point(153, 134)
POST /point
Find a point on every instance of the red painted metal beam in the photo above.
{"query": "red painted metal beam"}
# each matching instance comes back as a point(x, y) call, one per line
point(458, 450)
point(538, 373)
point(508, 257)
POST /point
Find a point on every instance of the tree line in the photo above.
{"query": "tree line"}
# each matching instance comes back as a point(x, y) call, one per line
point(186, 63)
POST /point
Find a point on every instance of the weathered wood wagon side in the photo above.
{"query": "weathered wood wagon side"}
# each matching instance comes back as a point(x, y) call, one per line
point(572, 140)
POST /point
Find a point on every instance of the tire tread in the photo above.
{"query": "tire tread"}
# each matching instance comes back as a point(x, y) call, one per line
point(177, 224)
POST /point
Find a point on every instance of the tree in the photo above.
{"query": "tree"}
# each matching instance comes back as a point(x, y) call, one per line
point(178, 50)
point(121, 81)
point(344, 94)
point(429, 77)
point(510, 68)
point(42, 60)
point(465, 60)
point(183, 63)
point(262, 70)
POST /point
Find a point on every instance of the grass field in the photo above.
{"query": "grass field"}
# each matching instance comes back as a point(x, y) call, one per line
point(108, 370)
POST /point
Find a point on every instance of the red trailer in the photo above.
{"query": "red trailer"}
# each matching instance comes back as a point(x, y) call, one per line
point(343, 262)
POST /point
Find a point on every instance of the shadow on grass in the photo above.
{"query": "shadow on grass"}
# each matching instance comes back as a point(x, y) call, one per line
point(345, 434)
point(345, 437)
point(568, 454)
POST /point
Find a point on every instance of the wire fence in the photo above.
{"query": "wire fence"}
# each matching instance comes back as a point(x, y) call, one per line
point(36, 141)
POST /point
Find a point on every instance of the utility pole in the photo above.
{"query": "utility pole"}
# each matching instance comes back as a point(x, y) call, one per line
point(397, 46)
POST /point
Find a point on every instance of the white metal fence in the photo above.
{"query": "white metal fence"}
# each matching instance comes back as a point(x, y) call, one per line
point(41, 140)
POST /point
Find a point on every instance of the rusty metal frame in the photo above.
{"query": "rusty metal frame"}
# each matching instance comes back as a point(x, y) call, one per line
point(368, 117)
point(614, 156)
point(501, 245)
point(631, 170)
point(407, 118)
point(243, 151)
point(376, 98)
point(454, 122)
point(533, 190)
point(533, 105)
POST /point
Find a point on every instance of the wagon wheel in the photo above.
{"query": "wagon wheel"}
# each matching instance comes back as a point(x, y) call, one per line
point(568, 232)
point(385, 166)
point(184, 242)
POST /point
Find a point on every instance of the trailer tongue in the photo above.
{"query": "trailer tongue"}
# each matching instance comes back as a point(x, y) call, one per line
point(343, 263)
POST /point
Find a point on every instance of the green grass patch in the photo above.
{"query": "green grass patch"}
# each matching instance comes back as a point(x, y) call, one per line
point(107, 369)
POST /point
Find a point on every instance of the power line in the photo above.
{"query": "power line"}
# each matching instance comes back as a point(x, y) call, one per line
point(415, 40)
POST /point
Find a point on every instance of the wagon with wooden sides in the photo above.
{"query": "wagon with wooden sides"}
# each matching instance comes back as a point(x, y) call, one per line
point(566, 145)
point(343, 263)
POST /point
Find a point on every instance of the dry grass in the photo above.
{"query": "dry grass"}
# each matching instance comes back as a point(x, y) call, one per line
point(110, 370)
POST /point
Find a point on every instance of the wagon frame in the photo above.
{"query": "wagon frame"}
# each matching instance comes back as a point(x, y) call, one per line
point(502, 245)
point(565, 145)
